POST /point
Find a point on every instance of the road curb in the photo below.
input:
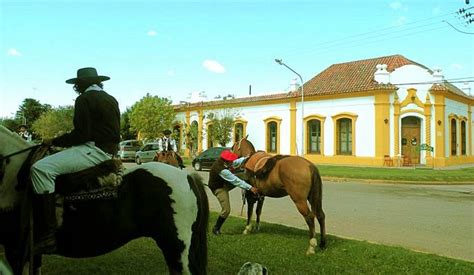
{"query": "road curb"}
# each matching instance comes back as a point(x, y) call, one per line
point(337, 179)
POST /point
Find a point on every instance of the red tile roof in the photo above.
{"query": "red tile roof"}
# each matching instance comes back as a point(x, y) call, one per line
point(353, 76)
point(344, 78)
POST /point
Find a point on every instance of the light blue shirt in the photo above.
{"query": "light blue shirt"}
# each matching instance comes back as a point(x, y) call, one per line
point(233, 179)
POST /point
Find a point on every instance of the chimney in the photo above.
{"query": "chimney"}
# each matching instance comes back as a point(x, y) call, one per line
point(438, 75)
point(466, 88)
point(382, 76)
point(294, 85)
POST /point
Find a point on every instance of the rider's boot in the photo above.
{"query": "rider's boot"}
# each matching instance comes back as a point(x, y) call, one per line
point(45, 224)
point(217, 227)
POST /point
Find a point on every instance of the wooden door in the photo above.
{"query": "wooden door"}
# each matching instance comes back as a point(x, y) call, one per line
point(411, 139)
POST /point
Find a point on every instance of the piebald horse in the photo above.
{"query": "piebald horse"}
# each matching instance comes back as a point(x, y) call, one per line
point(154, 200)
point(292, 176)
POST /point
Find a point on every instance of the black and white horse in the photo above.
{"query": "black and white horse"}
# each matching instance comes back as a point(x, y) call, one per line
point(154, 200)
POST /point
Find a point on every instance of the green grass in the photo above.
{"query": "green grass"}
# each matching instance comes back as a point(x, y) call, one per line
point(280, 248)
point(399, 174)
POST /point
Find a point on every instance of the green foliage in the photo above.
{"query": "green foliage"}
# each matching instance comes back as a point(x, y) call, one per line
point(10, 123)
point(151, 115)
point(281, 249)
point(55, 122)
point(222, 124)
point(399, 174)
point(125, 129)
point(192, 138)
point(30, 110)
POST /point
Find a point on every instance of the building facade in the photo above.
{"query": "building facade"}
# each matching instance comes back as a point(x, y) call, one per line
point(381, 111)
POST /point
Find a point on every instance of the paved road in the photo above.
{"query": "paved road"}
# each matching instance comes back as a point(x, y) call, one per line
point(434, 219)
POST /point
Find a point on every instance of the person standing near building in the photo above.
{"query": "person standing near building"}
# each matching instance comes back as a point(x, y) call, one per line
point(222, 180)
point(168, 144)
point(93, 140)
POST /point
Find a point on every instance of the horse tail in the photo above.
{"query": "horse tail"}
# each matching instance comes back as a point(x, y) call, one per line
point(198, 249)
point(316, 192)
point(316, 201)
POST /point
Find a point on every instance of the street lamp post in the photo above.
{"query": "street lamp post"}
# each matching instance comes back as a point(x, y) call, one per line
point(279, 61)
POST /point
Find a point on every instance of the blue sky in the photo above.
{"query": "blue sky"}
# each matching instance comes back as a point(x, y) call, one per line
point(173, 48)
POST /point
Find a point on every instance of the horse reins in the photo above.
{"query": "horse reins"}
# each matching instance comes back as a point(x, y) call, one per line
point(18, 152)
point(7, 158)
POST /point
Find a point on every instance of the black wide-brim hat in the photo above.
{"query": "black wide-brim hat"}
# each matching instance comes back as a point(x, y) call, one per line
point(88, 75)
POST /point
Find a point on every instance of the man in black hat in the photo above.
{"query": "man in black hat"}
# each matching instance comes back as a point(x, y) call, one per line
point(94, 139)
point(169, 144)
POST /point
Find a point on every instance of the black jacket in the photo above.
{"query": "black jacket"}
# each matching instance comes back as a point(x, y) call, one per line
point(97, 119)
point(215, 180)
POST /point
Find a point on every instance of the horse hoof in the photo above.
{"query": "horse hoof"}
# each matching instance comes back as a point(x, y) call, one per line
point(247, 230)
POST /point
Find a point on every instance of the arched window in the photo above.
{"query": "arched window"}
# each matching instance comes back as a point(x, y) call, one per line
point(463, 138)
point(272, 138)
point(314, 136)
point(453, 137)
point(344, 136)
point(238, 131)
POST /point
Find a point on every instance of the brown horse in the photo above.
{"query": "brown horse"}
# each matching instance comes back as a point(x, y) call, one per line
point(167, 157)
point(293, 176)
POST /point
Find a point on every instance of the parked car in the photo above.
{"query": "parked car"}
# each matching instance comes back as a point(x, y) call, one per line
point(207, 158)
point(128, 148)
point(147, 153)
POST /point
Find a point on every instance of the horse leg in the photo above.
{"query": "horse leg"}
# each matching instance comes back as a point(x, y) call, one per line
point(315, 199)
point(258, 211)
point(248, 227)
point(304, 210)
point(171, 249)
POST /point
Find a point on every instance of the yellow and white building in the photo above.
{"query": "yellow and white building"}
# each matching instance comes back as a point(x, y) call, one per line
point(381, 111)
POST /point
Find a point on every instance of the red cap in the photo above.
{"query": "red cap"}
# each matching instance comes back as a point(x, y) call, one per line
point(227, 155)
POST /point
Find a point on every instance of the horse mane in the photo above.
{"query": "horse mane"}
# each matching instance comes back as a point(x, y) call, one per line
point(14, 136)
point(271, 162)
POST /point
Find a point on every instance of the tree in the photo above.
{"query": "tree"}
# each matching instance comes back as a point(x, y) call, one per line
point(192, 138)
point(125, 129)
point(151, 115)
point(30, 110)
point(10, 123)
point(54, 122)
point(222, 126)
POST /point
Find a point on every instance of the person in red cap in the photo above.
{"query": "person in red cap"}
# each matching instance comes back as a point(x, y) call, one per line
point(222, 180)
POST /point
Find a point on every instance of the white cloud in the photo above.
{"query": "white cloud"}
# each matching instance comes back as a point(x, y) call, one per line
point(213, 66)
point(152, 33)
point(396, 5)
point(13, 52)
point(400, 21)
point(456, 66)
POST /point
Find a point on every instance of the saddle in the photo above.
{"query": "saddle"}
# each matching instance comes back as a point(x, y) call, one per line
point(257, 161)
point(262, 163)
point(97, 182)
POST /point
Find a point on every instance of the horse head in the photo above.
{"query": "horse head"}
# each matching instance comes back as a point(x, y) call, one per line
point(243, 147)
point(10, 164)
